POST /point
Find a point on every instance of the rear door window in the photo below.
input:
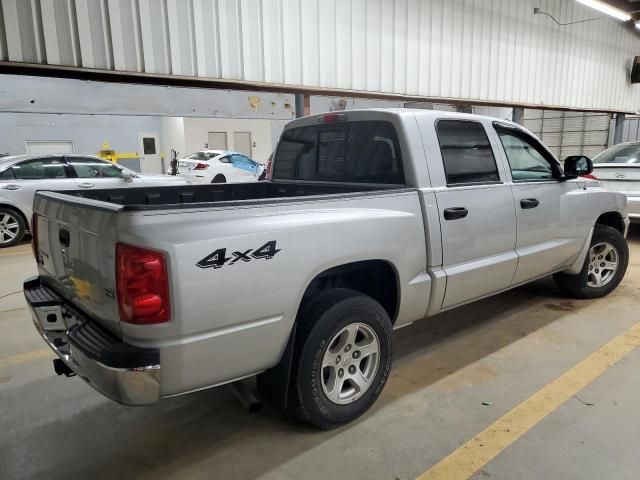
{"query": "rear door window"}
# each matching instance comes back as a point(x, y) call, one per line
point(40, 169)
point(356, 152)
point(466, 153)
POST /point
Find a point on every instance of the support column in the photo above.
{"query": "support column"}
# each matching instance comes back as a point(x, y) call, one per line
point(303, 105)
point(518, 115)
point(617, 133)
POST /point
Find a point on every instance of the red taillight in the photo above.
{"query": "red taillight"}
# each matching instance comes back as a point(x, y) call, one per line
point(333, 117)
point(269, 167)
point(34, 236)
point(201, 166)
point(590, 176)
point(142, 285)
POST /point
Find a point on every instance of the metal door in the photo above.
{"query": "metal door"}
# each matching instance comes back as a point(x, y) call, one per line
point(149, 148)
point(242, 143)
point(217, 141)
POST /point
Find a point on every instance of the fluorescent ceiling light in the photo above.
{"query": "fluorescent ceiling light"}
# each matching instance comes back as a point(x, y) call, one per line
point(606, 8)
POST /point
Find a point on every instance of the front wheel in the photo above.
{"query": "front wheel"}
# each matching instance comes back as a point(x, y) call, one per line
point(603, 268)
point(342, 358)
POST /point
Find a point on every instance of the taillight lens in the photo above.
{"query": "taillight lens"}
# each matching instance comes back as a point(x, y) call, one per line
point(142, 285)
point(201, 166)
point(332, 118)
point(590, 176)
point(34, 236)
point(269, 168)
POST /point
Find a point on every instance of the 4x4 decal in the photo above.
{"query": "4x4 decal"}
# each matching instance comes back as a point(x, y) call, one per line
point(219, 258)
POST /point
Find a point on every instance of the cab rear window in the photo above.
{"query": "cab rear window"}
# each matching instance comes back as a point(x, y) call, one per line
point(355, 152)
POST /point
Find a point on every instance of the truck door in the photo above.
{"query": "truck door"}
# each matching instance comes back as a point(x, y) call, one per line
point(553, 217)
point(477, 214)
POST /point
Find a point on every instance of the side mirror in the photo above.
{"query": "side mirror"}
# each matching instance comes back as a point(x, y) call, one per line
point(577, 166)
point(128, 176)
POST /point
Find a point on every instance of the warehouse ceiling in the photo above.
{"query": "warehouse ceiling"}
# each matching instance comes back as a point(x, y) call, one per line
point(492, 52)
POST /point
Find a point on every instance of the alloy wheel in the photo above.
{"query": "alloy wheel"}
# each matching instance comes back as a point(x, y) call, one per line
point(603, 264)
point(9, 227)
point(350, 363)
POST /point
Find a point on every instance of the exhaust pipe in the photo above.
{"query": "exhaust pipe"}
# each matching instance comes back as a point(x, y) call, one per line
point(246, 397)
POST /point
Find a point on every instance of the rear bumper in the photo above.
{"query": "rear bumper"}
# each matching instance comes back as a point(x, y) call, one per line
point(127, 374)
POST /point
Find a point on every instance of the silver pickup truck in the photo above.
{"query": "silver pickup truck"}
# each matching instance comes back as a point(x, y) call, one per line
point(371, 220)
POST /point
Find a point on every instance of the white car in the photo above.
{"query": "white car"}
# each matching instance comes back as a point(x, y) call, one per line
point(220, 166)
point(618, 169)
point(22, 175)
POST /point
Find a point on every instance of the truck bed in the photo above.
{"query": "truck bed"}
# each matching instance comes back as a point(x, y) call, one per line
point(207, 195)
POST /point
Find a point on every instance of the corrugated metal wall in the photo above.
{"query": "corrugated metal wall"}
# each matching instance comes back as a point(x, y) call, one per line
point(631, 129)
point(569, 133)
point(488, 50)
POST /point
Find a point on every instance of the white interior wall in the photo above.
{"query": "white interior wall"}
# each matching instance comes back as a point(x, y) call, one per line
point(196, 134)
point(172, 136)
point(87, 132)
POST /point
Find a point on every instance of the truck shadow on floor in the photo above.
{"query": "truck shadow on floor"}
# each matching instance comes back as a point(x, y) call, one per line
point(208, 434)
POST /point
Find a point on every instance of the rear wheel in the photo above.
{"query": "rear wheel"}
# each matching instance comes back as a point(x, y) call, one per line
point(219, 179)
point(12, 227)
point(342, 358)
point(603, 268)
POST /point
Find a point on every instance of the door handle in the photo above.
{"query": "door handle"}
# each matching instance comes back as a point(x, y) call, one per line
point(455, 212)
point(86, 185)
point(529, 203)
point(12, 186)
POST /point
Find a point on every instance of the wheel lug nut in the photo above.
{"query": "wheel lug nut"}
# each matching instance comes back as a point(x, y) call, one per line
point(356, 354)
point(347, 348)
point(602, 264)
point(338, 359)
point(352, 369)
point(341, 373)
point(600, 257)
point(597, 271)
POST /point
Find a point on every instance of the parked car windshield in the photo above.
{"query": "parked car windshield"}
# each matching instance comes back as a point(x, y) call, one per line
point(620, 154)
point(358, 152)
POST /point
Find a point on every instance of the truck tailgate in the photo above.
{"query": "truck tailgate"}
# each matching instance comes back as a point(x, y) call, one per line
point(76, 253)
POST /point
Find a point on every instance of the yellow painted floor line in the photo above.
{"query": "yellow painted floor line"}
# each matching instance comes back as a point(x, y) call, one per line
point(480, 450)
point(26, 357)
point(14, 253)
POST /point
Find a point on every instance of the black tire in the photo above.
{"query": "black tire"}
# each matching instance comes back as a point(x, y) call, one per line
point(11, 223)
point(219, 179)
point(321, 320)
point(577, 285)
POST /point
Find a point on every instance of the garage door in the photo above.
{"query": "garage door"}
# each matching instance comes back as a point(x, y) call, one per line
point(49, 146)
point(569, 133)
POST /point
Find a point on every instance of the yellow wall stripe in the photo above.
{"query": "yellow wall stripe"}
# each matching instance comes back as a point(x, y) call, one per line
point(26, 357)
point(477, 452)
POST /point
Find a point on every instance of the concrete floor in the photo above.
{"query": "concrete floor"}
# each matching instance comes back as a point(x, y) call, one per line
point(453, 376)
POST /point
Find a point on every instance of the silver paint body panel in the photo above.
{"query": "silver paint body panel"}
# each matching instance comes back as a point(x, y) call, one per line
point(236, 320)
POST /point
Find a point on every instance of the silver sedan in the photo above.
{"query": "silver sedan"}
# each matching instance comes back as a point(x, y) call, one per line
point(21, 176)
point(618, 169)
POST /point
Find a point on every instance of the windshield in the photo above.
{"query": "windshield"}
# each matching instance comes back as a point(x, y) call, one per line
point(620, 154)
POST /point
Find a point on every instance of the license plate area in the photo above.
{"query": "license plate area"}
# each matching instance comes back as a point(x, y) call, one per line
point(51, 318)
